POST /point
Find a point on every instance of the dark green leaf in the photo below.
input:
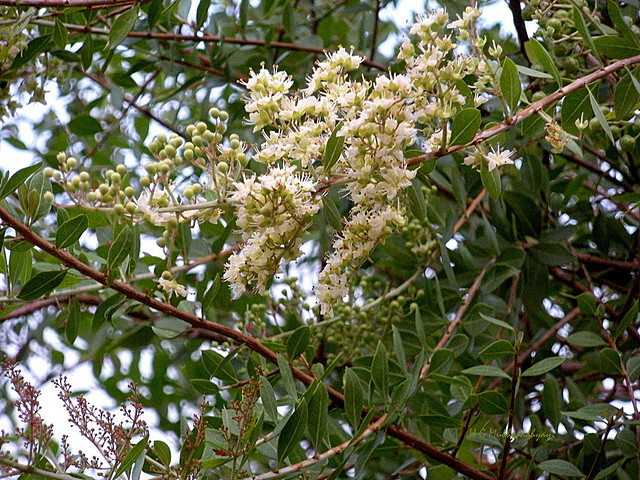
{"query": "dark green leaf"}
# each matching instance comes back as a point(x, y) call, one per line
point(610, 362)
point(292, 431)
point(498, 349)
point(492, 403)
point(218, 366)
point(628, 319)
point(319, 418)
point(298, 341)
point(136, 452)
point(18, 178)
point(333, 149)
point(122, 26)
point(202, 14)
point(633, 368)
point(551, 399)
point(625, 97)
point(331, 213)
point(204, 386)
point(84, 125)
point(464, 127)
point(491, 180)
point(545, 60)
point(587, 303)
point(585, 339)
point(287, 377)
point(73, 321)
point(510, 86)
point(106, 309)
point(575, 105)
point(615, 47)
point(60, 34)
point(551, 254)
point(34, 47)
point(621, 26)
point(120, 248)
point(416, 196)
point(380, 371)
point(41, 284)
point(486, 371)
point(581, 27)
point(398, 348)
point(71, 230)
point(560, 467)
point(543, 366)
point(353, 397)
point(211, 293)
point(441, 362)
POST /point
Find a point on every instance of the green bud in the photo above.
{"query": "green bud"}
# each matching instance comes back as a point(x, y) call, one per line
point(197, 188)
point(115, 178)
point(48, 197)
point(71, 162)
point(131, 207)
point(119, 209)
point(84, 176)
point(145, 181)
point(223, 167)
point(48, 172)
point(129, 192)
point(224, 116)
point(61, 157)
point(161, 242)
point(201, 127)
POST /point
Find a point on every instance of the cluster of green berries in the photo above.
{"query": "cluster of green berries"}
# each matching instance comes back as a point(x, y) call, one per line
point(625, 132)
point(166, 156)
point(417, 232)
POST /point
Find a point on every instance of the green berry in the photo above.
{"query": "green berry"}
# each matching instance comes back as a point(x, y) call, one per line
point(48, 197)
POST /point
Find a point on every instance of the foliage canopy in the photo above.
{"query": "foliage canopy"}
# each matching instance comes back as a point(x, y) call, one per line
point(311, 261)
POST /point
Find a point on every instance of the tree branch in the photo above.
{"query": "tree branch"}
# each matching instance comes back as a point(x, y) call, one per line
point(253, 343)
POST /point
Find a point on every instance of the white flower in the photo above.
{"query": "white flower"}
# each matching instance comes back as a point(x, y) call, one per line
point(496, 158)
point(149, 208)
point(172, 286)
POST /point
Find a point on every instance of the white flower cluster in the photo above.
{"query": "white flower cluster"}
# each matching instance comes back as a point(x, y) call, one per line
point(494, 159)
point(377, 120)
point(272, 212)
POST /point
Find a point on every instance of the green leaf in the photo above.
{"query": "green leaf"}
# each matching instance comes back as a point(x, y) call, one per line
point(585, 339)
point(84, 125)
point(73, 321)
point(60, 34)
point(551, 254)
point(587, 303)
point(532, 73)
point(560, 467)
point(627, 442)
point(136, 452)
point(621, 26)
point(610, 362)
point(464, 127)
point(34, 47)
point(211, 293)
point(353, 397)
point(492, 403)
point(498, 349)
point(71, 230)
point(543, 366)
point(331, 213)
point(319, 418)
point(510, 86)
point(292, 431)
point(202, 13)
point(204, 386)
point(219, 366)
point(581, 27)
point(615, 47)
point(497, 322)
point(120, 248)
point(440, 421)
point(268, 397)
point(633, 368)
point(551, 399)
point(545, 60)
point(575, 105)
point(380, 371)
point(333, 149)
point(287, 377)
point(398, 348)
point(416, 197)
point(18, 178)
point(625, 97)
point(163, 452)
point(491, 180)
point(486, 371)
point(627, 320)
point(441, 362)
point(122, 26)
point(41, 284)
point(298, 341)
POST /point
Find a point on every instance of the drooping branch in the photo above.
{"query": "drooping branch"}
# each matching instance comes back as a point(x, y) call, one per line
point(254, 344)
